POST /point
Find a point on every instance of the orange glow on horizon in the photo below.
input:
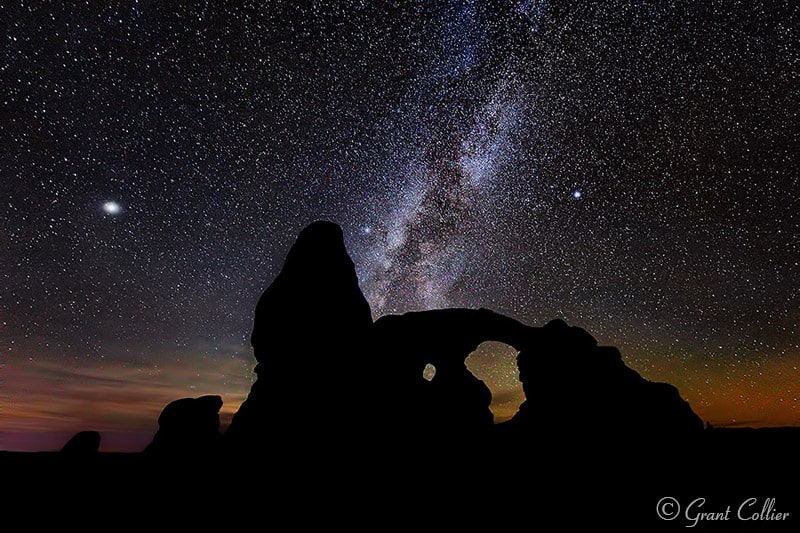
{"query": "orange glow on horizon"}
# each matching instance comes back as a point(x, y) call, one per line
point(45, 403)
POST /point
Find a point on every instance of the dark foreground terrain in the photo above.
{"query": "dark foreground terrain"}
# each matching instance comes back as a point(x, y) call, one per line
point(727, 480)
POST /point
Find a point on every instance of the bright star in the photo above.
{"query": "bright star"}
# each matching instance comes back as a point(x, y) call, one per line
point(577, 195)
point(112, 208)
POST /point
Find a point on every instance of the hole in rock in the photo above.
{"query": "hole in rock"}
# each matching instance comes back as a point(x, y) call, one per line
point(495, 363)
point(429, 371)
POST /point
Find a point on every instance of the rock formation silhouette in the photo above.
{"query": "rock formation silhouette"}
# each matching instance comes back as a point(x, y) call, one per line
point(188, 427)
point(330, 379)
point(309, 333)
point(454, 404)
point(575, 387)
point(83, 443)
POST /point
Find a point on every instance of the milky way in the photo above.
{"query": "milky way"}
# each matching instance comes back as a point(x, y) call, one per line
point(630, 167)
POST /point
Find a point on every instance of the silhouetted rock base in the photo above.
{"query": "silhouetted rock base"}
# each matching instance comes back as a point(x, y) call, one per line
point(188, 427)
point(485, 485)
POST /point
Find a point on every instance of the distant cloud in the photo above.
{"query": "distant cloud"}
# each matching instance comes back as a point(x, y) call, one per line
point(48, 398)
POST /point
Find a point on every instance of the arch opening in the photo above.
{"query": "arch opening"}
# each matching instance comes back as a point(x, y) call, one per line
point(428, 372)
point(495, 363)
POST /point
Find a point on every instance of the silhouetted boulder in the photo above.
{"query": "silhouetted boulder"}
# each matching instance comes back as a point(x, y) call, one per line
point(574, 387)
point(188, 426)
point(308, 337)
point(83, 443)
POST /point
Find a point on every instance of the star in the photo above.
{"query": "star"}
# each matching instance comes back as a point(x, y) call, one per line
point(577, 195)
point(112, 208)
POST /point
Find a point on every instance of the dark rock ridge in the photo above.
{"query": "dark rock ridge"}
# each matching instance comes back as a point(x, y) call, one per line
point(575, 387)
point(188, 426)
point(82, 443)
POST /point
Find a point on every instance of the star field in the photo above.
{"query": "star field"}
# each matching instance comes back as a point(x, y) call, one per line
point(630, 167)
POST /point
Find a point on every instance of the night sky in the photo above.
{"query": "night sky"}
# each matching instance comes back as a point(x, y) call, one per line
point(628, 166)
